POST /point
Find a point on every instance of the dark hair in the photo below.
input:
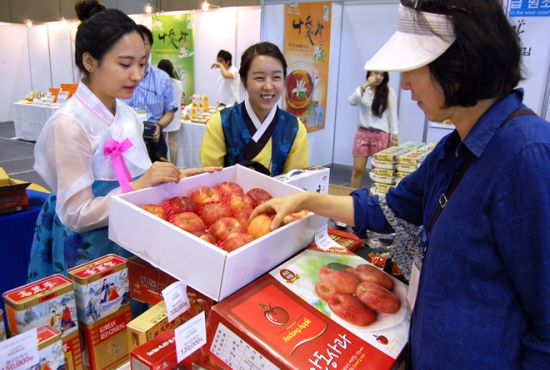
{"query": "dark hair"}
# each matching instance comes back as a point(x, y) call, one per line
point(146, 32)
point(99, 31)
point(261, 48)
point(225, 55)
point(167, 67)
point(485, 60)
point(380, 100)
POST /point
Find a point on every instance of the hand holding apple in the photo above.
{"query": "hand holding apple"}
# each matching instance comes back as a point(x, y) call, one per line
point(259, 226)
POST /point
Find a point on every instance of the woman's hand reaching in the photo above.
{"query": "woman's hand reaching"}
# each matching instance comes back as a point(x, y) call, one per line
point(160, 172)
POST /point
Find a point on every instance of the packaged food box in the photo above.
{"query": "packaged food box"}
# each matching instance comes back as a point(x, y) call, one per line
point(203, 266)
point(49, 301)
point(159, 353)
point(279, 322)
point(313, 179)
point(382, 179)
point(414, 157)
point(147, 282)
point(378, 188)
point(50, 348)
point(200, 101)
point(401, 175)
point(389, 155)
point(347, 240)
point(13, 194)
point(390, 165)
point(103, 306)
point(383, 172)
point(150, 324)
point(402, 167)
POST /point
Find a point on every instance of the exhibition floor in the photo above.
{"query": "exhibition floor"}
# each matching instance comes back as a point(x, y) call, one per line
point(17, 159)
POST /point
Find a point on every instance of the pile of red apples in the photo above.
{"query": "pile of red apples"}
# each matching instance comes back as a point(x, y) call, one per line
point(357, 295)
point(219, 214)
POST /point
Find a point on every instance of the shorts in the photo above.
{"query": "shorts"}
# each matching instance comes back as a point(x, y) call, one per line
point(368, 142)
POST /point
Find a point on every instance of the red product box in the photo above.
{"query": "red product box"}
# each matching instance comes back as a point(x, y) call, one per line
point(347, 240)
point(279, 322)
point(159, 353)
point(146, 281)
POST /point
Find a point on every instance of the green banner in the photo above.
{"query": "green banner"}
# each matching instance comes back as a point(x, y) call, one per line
point(173, 40)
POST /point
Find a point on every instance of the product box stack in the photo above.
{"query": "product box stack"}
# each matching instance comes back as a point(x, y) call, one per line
point(385, 172)
point(103, 307)
point(319, 310)
point(159, 353)
point(409, 162)
point(198, 111)
point(50, 301)
point(13, 194)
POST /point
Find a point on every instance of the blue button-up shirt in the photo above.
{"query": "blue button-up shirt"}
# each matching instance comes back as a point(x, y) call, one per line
point(484, 291)
point(154, 94)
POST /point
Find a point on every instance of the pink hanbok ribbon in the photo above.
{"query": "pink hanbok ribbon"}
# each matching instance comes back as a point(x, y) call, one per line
point(115, 150)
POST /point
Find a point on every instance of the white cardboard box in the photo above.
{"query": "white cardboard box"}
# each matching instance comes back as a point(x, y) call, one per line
point(207, 268)
point(314, 180)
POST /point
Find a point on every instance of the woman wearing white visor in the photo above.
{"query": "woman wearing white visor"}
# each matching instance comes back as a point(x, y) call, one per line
point(480, 279)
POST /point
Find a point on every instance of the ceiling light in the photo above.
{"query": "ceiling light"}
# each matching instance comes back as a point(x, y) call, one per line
point(206, 5)
point(29, 23)
point(148, 8)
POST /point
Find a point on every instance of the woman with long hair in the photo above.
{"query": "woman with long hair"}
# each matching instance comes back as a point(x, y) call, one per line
point(377, 121)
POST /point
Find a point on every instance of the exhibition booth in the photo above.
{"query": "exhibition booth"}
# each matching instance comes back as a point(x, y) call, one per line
point(265, 303)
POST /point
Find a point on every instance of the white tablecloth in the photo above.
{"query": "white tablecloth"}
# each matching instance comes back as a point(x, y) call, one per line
point(29, 119)
point(189, 143)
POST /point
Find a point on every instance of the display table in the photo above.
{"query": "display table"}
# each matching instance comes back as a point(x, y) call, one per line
point(29, 119)
point(16, 233)
point(189, 143)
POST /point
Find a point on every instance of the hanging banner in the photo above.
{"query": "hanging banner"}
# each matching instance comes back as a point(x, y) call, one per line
point(174, 40)
point(531, 26)
point(307, 50)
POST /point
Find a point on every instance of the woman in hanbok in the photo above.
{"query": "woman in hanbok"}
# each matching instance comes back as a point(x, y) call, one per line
point(256, 133)
point(92, 148)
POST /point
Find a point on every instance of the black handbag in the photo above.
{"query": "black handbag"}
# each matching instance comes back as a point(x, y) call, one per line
point(159, 150)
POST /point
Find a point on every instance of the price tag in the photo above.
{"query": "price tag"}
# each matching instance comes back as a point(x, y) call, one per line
point(19, 352)
point(175, 297)
point(324, 241)
point(190, 336)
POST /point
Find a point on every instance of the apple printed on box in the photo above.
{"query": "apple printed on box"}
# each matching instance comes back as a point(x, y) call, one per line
point(388, 332)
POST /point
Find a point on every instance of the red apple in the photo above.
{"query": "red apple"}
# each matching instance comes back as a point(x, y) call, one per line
point(351, 310)
point(189, 221)
point(373, 274)
point(206, 194)
point(225, 226)
point(340, 277)
point(228, 187)
point(236, 240)
point(239, 201)
point(212, 212)
point(243, 216)
point(295, 216)
point(259, 196)
point(205, 236)
point(377, 297)
point(156, 210)
point(324, 290)
point(259, 226)
point(181, 204)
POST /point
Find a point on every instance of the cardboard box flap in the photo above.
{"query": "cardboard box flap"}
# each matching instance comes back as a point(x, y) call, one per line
point(14, 185)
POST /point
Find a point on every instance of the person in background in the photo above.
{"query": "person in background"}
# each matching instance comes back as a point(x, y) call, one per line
point(481, 272)
point(256, 133)
point(154, 95)
point(377, 121)
point(172, 129)
point(85, 150)
point(228, 80)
